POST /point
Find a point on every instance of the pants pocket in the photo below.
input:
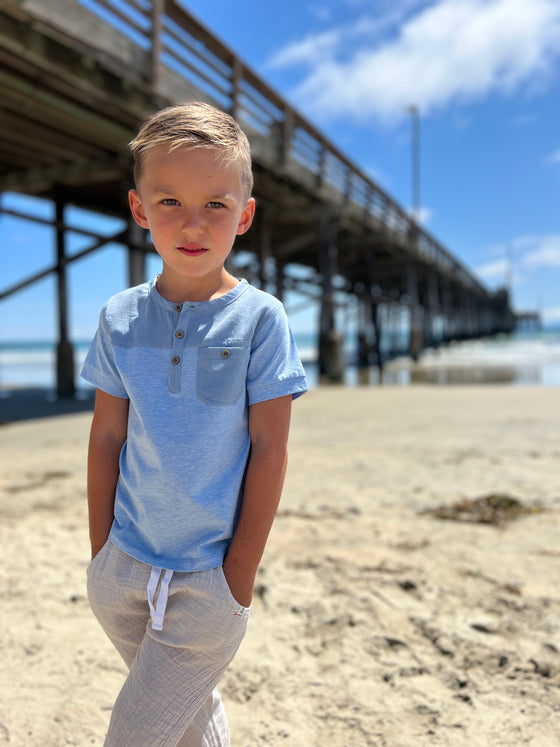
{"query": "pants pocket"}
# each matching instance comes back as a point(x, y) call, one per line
point(202, 614)
point(227, 591)
point(94, 561)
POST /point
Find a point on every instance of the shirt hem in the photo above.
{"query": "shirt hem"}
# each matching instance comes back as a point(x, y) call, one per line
point(295, 386)
point(101, 383)
point(177, 566)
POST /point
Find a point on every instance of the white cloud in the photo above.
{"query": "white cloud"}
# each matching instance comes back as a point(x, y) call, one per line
point(342, 39)
point(498, 270)
point(526, 253)
point(544, 253)
point(450, 50)
point(309, 51)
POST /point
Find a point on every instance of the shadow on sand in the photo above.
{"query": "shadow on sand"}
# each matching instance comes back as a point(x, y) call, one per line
point(30, 404)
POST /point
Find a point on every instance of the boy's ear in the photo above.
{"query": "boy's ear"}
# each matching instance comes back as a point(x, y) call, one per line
point(246, 217)
point(137, 209)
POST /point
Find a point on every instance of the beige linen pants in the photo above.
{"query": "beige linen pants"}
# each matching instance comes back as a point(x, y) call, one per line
point(169, 696)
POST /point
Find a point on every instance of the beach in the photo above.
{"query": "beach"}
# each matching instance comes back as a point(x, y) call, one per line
point(390, 609)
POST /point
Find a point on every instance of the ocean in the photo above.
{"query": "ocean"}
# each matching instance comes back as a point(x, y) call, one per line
point(525, 358)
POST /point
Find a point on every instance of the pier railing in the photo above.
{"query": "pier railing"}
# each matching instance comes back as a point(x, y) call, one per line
point(158, 44)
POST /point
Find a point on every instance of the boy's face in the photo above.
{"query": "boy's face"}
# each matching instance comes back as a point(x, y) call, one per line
point(194, 207)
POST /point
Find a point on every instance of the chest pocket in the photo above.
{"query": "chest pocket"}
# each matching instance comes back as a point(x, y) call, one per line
point(221, 374)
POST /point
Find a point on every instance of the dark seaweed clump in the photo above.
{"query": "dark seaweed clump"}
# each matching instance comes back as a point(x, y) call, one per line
point(497, 509)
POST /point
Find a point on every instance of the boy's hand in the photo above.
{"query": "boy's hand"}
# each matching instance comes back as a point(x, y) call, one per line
point(108, 434)
point(269, 422)
point(95, 550)
point(241, 585)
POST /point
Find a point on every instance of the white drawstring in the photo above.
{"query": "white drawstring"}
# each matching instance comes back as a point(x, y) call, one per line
point(158, 611)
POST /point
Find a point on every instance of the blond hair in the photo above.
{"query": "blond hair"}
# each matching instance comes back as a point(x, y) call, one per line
point(194, 125)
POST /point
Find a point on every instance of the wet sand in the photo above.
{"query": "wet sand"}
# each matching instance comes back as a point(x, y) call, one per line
point(374, 623)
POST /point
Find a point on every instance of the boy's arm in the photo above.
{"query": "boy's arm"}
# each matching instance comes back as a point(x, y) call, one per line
point(269, 423)
point(108, 434)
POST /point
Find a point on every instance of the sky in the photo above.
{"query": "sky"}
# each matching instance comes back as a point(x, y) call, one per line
point(485, 78)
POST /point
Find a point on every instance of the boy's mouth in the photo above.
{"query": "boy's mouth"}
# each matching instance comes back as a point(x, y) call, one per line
point(192, 250)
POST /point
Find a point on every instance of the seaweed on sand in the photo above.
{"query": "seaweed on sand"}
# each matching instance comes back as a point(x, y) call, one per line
point(496, 508)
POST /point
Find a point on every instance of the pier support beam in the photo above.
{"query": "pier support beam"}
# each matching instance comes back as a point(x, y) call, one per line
point(136, 255)
point(466, 316)
point(264, 249)
point(331, 345)
point(362, 341)
point(395, 323)
point(280, 278)
point(447, 309)
point(431, 308)
point(416, 342)
point(376, 321)
point(65, 385)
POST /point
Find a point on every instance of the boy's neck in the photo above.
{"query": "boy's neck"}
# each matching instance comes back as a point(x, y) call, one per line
point(195, 290)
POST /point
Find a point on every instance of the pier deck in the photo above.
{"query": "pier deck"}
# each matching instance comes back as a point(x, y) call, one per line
point(76, 81)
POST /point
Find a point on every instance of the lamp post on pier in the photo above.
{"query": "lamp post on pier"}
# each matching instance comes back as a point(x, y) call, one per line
point(416, 342)
point(414, 112)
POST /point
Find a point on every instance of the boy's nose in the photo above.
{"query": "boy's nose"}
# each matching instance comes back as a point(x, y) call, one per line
point(192, 223)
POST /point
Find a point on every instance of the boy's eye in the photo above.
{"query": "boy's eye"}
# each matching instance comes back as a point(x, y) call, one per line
point(214, 205)
point(169, 201)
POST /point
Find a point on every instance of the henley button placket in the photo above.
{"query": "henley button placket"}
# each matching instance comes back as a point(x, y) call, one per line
point(176, 352)
point(183, 320)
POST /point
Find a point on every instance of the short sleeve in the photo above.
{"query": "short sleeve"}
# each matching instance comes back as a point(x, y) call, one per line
point(275, 369)
point(100, 368)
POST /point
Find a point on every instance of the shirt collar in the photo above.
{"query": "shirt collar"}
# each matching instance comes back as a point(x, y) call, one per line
point(213, 305)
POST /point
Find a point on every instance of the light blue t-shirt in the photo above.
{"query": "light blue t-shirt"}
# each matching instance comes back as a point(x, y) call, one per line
point(190, 372)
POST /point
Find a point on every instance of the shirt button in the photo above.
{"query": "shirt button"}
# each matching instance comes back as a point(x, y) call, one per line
point(226, 353)
point(175, 360)
point(179, 334)
point(178, 307)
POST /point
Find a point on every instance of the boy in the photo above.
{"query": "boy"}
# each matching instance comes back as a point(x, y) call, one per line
point(195, 374)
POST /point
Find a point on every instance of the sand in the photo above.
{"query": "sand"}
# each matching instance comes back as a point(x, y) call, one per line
point(374, 623)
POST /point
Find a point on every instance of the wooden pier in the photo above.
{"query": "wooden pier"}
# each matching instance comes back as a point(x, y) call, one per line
point(75, 83)
point(529, 320)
